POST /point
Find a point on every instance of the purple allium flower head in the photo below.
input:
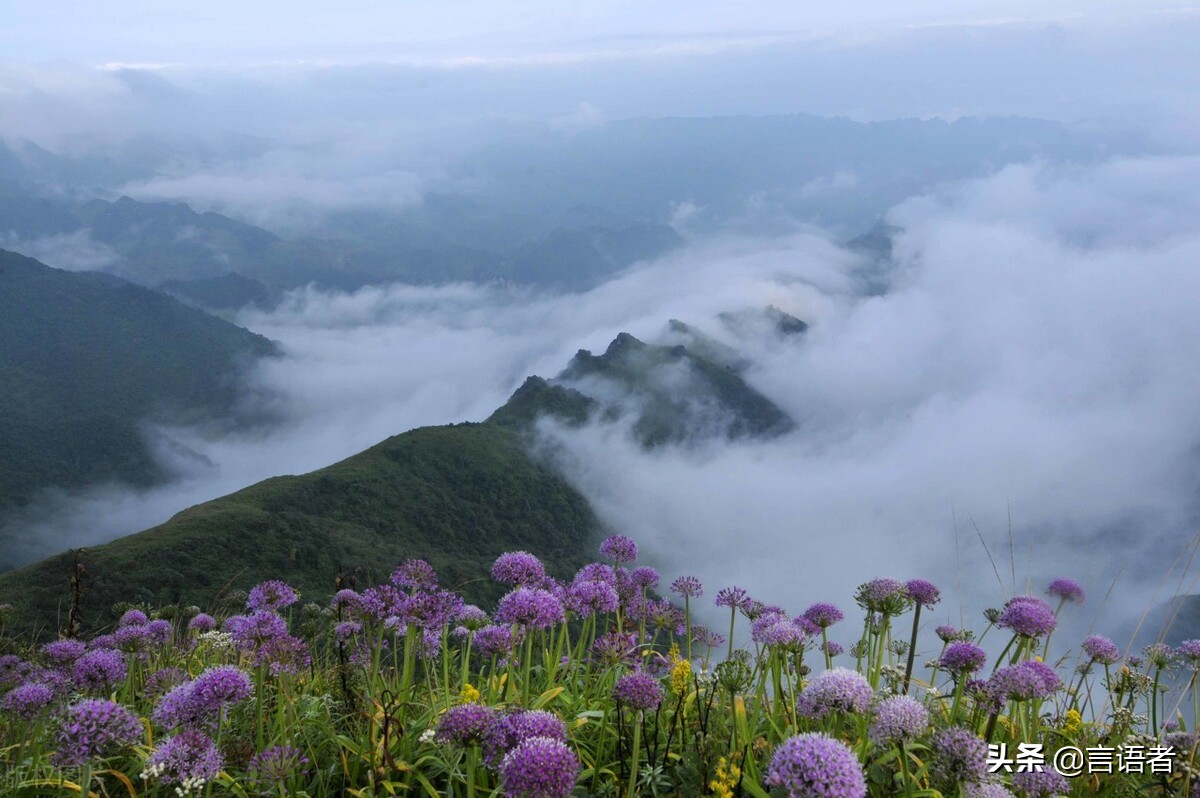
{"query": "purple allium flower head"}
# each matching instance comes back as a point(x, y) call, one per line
point(201, 700)
point(645, 577)
point(203, 622)
point(494, 641)
point(883, 595)
point(834, 649)
point(824, 614)
point(415, 575)
point(1101, 649)
point(346, 600)
point(1027, 616)
point(273, 767)
point(816, 766)
point(472, 617)
point(1190, 651)
point(63, 652)
point(99, 669)
point(539, 767)
point(962, 658)
point(665, 615)
point(986, 789)
point(1067, 590)
point(1025, 681)
point(27, 700)
point(922, 592)
point(164, 679)
point(158, 632)
point(838, 689)
point(707, 637)
point(592, 596)
point(432, 609)
point(899, 718)
point(346, 630)
point(466, 724)
point(638, 690)
point(733, 597)
point(959, 756)
point(271, 595)
point(619, 548)
point(949, 634)
point(133, 618)
point(614, 647)
point(597, 571)
point(1160, 655)
point(190, 758)
point(519, 568)
point(252, 631)
point(102, 641)
point(688, 586)
point(779, 632)
point(132, 638)
point(530, 607)
point(13, 670)
point(287, 654)
point(1046, 783)
point(513, 729)
point(809, 628)
point(95, 728)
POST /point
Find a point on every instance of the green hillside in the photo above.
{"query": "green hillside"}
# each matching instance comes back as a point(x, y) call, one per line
point(456, 496)
point(85, 358)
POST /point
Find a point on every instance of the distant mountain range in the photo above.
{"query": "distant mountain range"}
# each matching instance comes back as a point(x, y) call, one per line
point(456, 495)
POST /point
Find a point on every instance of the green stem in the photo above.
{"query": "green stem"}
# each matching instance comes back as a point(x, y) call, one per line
point(631, 790)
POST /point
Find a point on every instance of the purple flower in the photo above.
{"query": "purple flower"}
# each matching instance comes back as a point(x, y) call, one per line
point(949, 634)
point(899, 718)
point(203, 622)
point(839, 689)
point(619, 548)
point(519, 568)
point(592, 596)
point(164, 679)
point(778, 631)
point(959, 756)
point(614, 647)
point(1047, 783)
point(962, 658)
point(1190, 651)
point(923, 593)
point(26, 701)
point(189, 758)
point(202, 700)
point(346, 600)
point(158, 632)
point(415, 575)
point(733, 597)
point(1160, 655)
point(833, 649)
point(539, 767)
point(707, 637)
point(638, 691)
point(597, 572)
point(645, 577)
point(271, 595)
point(687, 586)
point(133, 618)
point(1027, 616)
point(1067, 590)
point(285, 654)
point(63, 652)
point(824, 614)
point(513, 729)
point(274, 767)
point(346, 630)
point(532, 608)
point(94, 728)
point(13, 670)
point(816, 766)
point(132, 638)
point(1025, 681)
point(1101, 649)
point(886, 596)
point(99, 669)
point(252, 631)
point(494, 641)
point(471, 617)
point(986, 789)
point(466, 724)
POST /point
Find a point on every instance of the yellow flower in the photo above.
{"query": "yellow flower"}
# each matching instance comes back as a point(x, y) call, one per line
point(469, 694)
point(681, 671)
point(725, 779)
point(1073, 722)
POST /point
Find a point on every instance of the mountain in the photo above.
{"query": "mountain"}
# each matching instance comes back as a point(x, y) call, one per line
point(457, 496)
point(86, 359)
point(671, 394)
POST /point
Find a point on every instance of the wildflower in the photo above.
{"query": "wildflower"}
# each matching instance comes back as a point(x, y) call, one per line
point(95, 728)
point(26, 701)
point(163, 680)
point(515, 728)
point(816, 766)
point(681, 675)
point(725, 778)
point(63, 652)
point(707, 637)
point(532, 608)
point(133, 618)
point(465, 724)
point(189, 759)
point(249, 632)
point(1190, 650)
point(833, 649)
point(539, 767)
point(687, 586)
point(471, 617)
point(638, 691)
point(469, 694)
point(202, 622)
point(1101, 649)
point(1073, 722)
point(899, 718)
point(951, 634)
point(518, 568)
point(824, 614)
point(986, 789)
point(1160, 655)
point(619, 548)
point(923, 593)
point(415, 575)
point(275, 767)
point(346, 600)
point(1027, 616)
point(99, 669)
point(592, 596)
point(885, 596)
point(838, 689)
point(494, 641)
point(200, 701)
point(732, 597)
point(962, 658)
point(1026, 680)
point(959, 757)
point(1066, 590)
point(1045, 783)
point(645, 577)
